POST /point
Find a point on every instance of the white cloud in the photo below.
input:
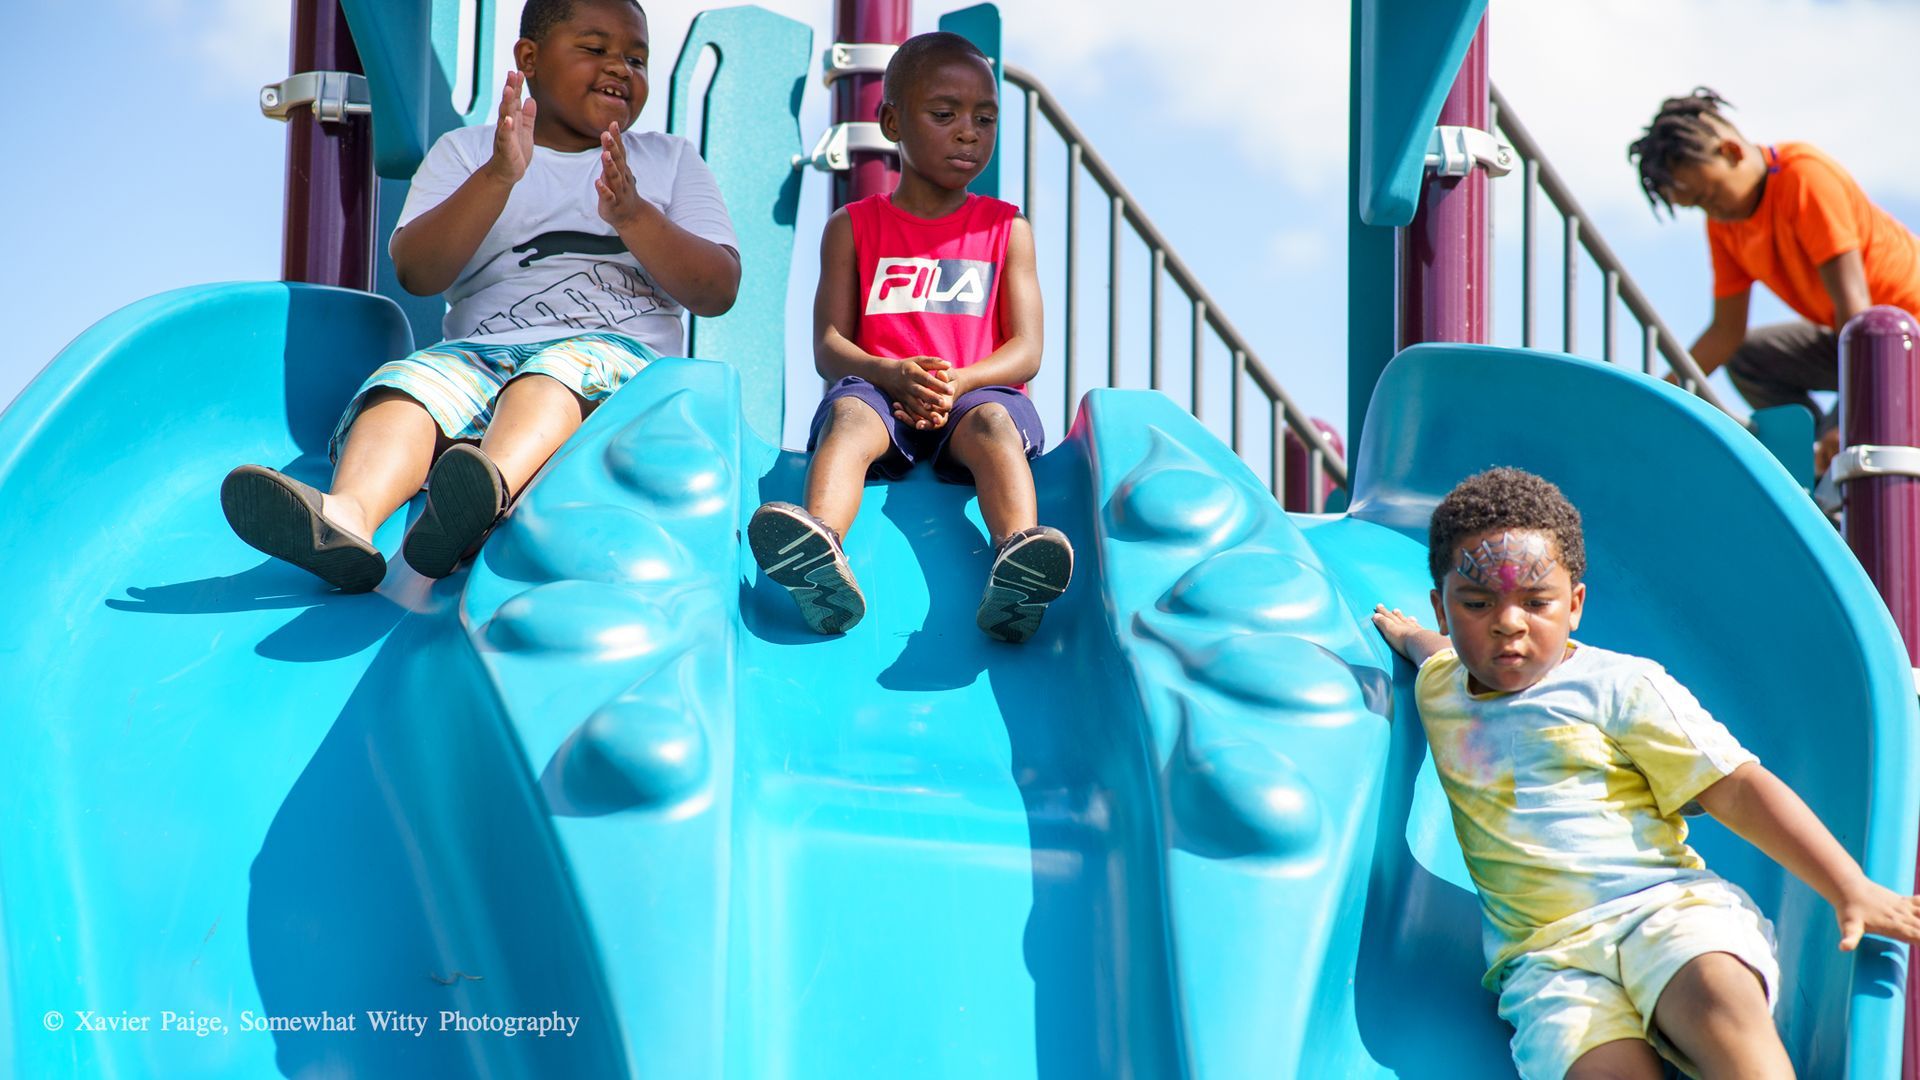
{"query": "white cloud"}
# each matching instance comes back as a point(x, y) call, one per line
point(1271, 77)
point(231, 46)
point(1300, 249)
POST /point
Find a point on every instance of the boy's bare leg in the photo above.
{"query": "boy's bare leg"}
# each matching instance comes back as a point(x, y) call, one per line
point(989, 444)
point(1031, 566)
point(533, 415)
point(1622, 1059)
point(853, 439)
point(383, 462)
point(1715, 1011)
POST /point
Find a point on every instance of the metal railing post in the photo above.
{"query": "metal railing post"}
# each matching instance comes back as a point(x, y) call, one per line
point(1156, 271)
point(1570, 288)
point(1529, 207)
point(1070, 342)
point(1116, 218)
point(1164, 263)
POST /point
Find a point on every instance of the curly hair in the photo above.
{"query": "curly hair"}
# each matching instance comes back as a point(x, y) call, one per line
point(541, 16)
point(920, 52)
point(1686, 129)
point(1504, 498)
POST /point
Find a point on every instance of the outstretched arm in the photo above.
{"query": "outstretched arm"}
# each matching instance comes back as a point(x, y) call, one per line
point(1765, 812)
point(1845, 278)
point(1407, 636)
point(1725, 334)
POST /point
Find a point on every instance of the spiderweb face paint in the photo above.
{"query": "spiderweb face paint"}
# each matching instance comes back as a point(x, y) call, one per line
point(1514, 561)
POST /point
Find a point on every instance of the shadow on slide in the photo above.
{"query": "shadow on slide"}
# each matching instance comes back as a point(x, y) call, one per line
point(606, 780)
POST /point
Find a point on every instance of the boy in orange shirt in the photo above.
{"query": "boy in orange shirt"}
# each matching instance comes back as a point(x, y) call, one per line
point(1787, 216)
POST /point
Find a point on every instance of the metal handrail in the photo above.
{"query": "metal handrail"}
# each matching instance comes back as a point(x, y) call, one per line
point(1123, 207)
point(1538, 173)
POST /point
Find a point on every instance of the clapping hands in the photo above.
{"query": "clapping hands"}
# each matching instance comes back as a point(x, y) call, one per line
point(620, 201)
point(513, 133)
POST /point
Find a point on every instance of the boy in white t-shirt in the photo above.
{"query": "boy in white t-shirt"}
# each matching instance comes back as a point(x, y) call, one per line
point(1608, 940)
point(567, 247)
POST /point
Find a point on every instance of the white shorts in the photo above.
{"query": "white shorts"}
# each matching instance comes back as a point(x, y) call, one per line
point(1600, 984)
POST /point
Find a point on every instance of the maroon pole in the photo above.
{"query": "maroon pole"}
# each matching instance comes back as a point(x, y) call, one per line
point(330, 181)
point(856, 98)
point(1443, 253)
point(1880, 406)
point(1297, 484)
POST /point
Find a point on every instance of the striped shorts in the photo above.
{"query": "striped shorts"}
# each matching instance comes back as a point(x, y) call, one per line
point(457, 381)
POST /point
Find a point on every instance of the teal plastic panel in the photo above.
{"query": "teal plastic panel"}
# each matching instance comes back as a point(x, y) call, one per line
point(234, 793)
point(749, 136)
point(980, 24)
point(1787, 433)
point(1407, 53)
point(606, 774)
point(410, 50)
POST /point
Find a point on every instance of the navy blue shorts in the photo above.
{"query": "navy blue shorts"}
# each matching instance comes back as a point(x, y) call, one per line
point(911, 445)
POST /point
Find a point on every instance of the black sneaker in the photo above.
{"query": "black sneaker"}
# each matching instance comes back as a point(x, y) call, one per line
point(800, 553)
point(278, 515)
point(466, 497)
point(1031, 569)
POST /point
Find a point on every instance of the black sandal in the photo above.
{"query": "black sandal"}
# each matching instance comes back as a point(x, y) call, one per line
point(466, 498)
point(282, 517)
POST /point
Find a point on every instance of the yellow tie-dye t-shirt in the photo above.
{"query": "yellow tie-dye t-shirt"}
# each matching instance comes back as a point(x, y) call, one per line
point(1567, 795)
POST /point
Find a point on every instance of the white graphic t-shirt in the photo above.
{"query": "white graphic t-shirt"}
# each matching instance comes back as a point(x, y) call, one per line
point(1567, 795)
point(551, 267)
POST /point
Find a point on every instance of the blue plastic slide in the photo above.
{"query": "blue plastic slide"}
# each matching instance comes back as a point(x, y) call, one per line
point(601, 806)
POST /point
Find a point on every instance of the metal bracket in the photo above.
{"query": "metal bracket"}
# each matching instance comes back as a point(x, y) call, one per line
point(1860, 462)
point(334, 95)
point(843, 59)
point(834, 152)
point(1454, 151)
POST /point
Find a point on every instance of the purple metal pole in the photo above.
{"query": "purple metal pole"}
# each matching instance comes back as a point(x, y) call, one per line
point(857, 97)
point(1297, 488)
point(1443, 253)
point(1880, 406)
point(330, 182)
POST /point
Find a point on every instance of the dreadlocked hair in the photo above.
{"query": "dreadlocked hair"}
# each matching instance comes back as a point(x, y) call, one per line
point(1503, 499)
point(1686, 129)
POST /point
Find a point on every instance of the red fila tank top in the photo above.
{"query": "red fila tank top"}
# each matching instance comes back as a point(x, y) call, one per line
point(930, 287)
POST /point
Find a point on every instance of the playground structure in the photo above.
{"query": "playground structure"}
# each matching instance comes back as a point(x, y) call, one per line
point(1190, 830)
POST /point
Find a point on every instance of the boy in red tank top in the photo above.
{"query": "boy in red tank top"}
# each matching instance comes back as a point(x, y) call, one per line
point(927, 319)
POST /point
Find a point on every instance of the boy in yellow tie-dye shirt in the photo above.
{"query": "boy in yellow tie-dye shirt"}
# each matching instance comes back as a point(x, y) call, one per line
point(1568, 766)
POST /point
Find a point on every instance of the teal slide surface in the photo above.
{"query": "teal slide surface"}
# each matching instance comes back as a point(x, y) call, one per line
point(606, 783)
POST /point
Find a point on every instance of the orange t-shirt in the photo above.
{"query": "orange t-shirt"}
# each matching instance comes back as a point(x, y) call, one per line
point(1809, 212)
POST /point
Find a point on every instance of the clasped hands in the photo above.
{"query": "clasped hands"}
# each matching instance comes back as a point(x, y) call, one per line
point(921, 390)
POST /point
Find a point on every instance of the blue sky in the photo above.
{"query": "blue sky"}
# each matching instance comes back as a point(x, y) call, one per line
point(1227, 123)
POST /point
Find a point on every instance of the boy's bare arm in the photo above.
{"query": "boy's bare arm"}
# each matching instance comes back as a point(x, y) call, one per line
point(1017, 360)
point(702, 275)
point(1407, 636)
point(1764, 811)
point(918, 383)
point(1845, 277)
point(430, 251)
point(1715, 346)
